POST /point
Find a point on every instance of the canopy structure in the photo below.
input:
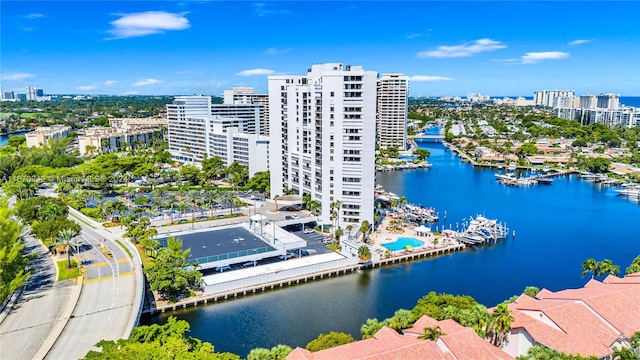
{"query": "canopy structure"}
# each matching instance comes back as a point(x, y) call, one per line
point(258, 217)
point(422, 230)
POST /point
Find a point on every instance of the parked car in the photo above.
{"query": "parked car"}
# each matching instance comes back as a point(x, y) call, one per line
point(295, 216)
point(223, 268)
point(308, 230)
point(306, 252)
point(249, 263)
point(288, 217)
point(286, 256)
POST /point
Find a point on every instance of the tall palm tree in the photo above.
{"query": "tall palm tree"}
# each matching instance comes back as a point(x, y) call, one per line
point(159, 193)
point(275, 200)
point(67, 237)
point(606, 266)
point(211, 197)
point(120, 208)
point(589, 266)
point(171, 201)
point(233, 199)
point(26, 189)
point(500, 324)
point(48, 211)
point(431, 333)
point(192, 197)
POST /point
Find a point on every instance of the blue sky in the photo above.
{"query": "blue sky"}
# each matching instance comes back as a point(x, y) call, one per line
point(203, 47)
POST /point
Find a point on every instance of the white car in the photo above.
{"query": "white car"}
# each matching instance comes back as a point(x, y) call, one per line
point(286, 256)
point(308, 230)
point(295, 216)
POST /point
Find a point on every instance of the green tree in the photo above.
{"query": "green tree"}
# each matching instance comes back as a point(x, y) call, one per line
point(16, 141)
point(500, 324)
point(527, 149)
point(540, 352)
point(634, 267)
point(607, 267)
point(13, 258)
point(531, 291)
point(589, 266)
point(280, 352)
point(68, 238)
point(371, 327)
point(364, 253)
point(330, 340)
point(190, 173)
point(431, 333)
point(422, 154)
point(213, 166)
point(260, 182)
point(171, 274)
point(259, 354)
point(158, 342)
point(401, 319)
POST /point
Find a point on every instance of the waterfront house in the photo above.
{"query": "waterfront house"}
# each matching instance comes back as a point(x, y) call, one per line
point(589, 321)
point(456, 342)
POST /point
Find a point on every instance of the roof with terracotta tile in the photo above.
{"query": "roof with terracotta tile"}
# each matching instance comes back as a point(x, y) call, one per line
point(617, 301)
point(564, 325)
point(465, 344)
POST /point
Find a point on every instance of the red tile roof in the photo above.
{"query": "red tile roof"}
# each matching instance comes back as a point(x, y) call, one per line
point(458, 343)
point(584, 321)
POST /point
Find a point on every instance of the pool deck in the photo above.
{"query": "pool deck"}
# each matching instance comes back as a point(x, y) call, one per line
point(431, 242)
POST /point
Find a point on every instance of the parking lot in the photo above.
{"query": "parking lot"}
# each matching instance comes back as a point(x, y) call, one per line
point(313, 239)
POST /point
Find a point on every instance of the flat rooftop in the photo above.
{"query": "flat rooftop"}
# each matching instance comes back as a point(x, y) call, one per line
point(209, 245)
point(270, 268)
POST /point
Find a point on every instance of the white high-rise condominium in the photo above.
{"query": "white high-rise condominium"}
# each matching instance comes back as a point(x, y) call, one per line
point(608, 101)
point(31, 93)
point(391, 120)
point(548, 97)
point(588, 101)
point(187, 126)
point(245, 95)
point(323, 138)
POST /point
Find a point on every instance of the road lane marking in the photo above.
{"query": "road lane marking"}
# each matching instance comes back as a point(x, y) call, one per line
point(123, 260)
point(100, 264)
point(88, 281)
point(126, 273)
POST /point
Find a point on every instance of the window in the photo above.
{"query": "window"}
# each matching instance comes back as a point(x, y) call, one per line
point(332, 94)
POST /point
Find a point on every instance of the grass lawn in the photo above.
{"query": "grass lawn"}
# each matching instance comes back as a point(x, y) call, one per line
point(65, 273)
point(5, 115)
point(33, 115)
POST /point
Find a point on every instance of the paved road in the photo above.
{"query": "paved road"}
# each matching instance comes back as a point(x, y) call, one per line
point(106, 302)
point(41, 311)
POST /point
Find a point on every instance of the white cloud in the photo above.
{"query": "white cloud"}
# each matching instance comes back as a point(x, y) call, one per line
point(147, 23)
point(275, 50)
point(466, 49)
point(110, 82)
point(16, 76)
point(86, 87)
point(413, 36)
point(512, 60)
point(146, 82)
point(534, 57)
point(579, 42)
point(428, 78)
point(254, 72)
point(34, 16)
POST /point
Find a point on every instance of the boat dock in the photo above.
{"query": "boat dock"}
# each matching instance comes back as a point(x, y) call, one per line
point(415, 254)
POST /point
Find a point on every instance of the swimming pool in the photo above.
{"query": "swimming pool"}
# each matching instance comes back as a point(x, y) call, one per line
point(402, 244)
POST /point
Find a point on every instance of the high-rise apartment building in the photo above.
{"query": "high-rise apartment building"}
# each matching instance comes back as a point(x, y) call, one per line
point(608, 101)
point(548, 97)
point(32, 93)
point(588, 101)
point(245, 95)
point(322, 127)
point(392, 111)
point(248, 116)
point(193, 133)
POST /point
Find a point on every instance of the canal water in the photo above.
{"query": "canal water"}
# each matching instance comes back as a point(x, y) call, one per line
point(556, 228)
point(5, 138)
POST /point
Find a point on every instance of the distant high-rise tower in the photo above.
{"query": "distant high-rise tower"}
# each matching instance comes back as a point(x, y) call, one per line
point(187, 127)
point(547, 98)
point(31, 93)
point(325, 121)
point(392, 111)
point(588, 101)
point(608, 101)
point(245, 95)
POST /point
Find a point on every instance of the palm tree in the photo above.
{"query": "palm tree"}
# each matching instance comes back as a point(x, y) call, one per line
point(432, 333)
point(500, 324)
point(67, 237)
point(394, 203)
point(607, 267)
point(589, 266)
point(171, 201)
point(26, 189)
point(314, 207)
point(623, 354)
point(48, 211)
point(120, 208)
point(338, 208)
point(349, 228)
point(403, 200)
point(193, 197)
point(159, 193)
point(211, 197)
point(275, 200)
point(364, 253)
point(401, 319)
point(233, 199)
point(364, 228)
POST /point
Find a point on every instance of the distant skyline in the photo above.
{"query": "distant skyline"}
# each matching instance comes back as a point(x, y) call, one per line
point(496, 48)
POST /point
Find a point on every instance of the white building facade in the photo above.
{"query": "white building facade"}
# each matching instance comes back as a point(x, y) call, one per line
point(548, 97)
point(245, 95)
point(392, 111)
point(194, 133)
point(325, 122)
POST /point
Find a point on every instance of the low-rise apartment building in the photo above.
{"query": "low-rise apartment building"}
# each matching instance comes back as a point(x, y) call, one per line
point(99, 139)
point(41, 135)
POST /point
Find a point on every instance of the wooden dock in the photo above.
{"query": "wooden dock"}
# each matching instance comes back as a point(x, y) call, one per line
point(416, 255)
